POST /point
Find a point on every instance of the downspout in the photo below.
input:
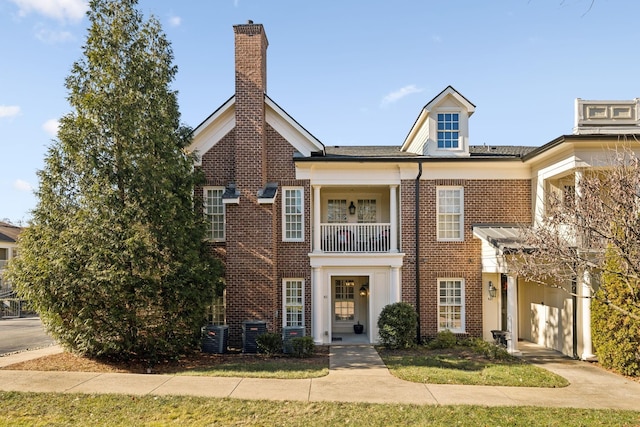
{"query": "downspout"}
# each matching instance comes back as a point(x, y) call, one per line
point(417, 250)
point(574, 301)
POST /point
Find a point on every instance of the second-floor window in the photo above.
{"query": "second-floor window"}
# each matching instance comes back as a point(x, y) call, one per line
point(293, 214)
point(367, 211)
point(450, 205)
point(214, 213)
point(336, 211)
point(448, 130)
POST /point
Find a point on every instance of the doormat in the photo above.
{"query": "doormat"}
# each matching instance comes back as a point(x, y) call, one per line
point(336, 338)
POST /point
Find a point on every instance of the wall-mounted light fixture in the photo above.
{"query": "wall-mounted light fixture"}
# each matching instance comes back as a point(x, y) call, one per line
point(352, 208)
point(363, 291)
point(492, 290)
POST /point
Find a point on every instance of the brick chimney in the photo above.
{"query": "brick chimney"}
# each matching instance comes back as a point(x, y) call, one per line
point(251, 85)
point(251, 248)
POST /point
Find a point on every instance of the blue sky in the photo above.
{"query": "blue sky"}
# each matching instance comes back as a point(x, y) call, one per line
point(351, 72)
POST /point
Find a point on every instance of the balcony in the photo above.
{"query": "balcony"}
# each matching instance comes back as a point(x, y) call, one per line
point(357, 220)
point(371, 237)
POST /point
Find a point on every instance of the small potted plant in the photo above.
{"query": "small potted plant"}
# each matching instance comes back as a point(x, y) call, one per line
point(358, 328)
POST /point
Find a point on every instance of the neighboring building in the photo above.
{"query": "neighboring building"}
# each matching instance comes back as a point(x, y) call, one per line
point(324, 237)
point(8, 248)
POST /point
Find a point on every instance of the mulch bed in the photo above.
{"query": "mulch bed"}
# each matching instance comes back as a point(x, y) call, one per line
point(196, 361)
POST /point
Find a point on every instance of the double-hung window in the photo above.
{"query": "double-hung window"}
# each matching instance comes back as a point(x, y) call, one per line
point(293, 293)
point(451, 305)
point(450, 206)
point(293, 214)
point(448, 131)
point(214, 213)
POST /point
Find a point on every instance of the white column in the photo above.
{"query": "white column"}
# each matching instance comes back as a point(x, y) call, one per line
point(395, 293)
point(393, 207)
point(316, 218)
point(317, 305)
point(585, 301)
point(512, 314)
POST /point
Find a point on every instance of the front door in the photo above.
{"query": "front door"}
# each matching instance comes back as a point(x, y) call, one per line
point(344, 305)
point(350, 296)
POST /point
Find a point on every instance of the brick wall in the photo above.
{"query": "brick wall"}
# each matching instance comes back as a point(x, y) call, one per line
point(485, 201)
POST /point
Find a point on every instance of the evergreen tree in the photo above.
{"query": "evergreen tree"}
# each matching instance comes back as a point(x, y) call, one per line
point(616, 335)
point(113, 260)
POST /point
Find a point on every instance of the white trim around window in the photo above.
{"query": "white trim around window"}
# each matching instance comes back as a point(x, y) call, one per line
point(214, 213)
point(292, 302)
point(451, 308)
point(292, 214)
point(450, 213)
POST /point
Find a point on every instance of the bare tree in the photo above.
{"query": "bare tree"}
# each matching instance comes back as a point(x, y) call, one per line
point(585, 225)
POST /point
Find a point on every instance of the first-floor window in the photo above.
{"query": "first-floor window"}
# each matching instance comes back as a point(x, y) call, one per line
point(293, 293)
point(214, 213)
point(345, 303)
point(451, 305)
point(217, 311)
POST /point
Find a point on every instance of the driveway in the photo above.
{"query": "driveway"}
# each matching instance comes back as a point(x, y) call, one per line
point(22, 334)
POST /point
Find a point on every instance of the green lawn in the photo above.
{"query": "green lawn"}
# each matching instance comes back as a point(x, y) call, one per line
point(466, 365)
point(287, 368)
point(50, 409)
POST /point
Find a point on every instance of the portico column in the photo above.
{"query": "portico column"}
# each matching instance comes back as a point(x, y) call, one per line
point(587, 343)
point(317, 327)
point(316, 218)
point(393, 206)
point(395, 294)
point(512, 314)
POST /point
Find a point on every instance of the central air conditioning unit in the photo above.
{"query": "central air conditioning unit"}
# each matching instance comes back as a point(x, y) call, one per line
point(251, 329)
point(288, 334)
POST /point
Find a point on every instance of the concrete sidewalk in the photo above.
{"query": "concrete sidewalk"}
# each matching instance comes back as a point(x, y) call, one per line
point(356, 374)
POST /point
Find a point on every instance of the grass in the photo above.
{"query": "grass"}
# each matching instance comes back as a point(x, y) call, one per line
point(263, 368)
point(52, 409)
point(467, 365)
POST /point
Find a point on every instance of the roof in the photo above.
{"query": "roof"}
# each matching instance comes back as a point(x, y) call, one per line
point(500, 150)
point(9, 232)
point(505, 238)
point(392, 152)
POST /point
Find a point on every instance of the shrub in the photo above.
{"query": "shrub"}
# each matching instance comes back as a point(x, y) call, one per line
point(616, 335)
point(397, 325)
point(488, 349)
point(444, 339)
point(269, 343)
point(303, 346)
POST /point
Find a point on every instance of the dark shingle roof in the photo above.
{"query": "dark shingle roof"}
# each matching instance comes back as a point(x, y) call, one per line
point(393, 152)
point(380, 151)
point(499, 150)
point(9, 232)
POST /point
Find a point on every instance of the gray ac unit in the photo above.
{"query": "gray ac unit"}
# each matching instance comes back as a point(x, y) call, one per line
point(288, 334)
point(214, 338)
point(251, 329)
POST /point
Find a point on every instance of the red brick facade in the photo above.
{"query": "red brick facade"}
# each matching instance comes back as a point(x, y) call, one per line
point(485, 202)
point(255, 255)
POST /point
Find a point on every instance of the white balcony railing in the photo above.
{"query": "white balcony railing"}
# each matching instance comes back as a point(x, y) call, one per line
point(355, 237)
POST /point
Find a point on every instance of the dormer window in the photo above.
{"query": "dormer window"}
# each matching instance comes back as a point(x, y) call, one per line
point(448, 130)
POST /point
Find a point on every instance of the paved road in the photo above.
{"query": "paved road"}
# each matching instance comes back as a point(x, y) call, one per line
point(22, 334)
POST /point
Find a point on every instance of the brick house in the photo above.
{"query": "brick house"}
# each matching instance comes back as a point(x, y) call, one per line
point(8, 249)
point(324, 237)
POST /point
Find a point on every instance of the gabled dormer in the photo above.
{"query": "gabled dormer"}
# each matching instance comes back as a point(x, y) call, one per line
point(442, 128)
